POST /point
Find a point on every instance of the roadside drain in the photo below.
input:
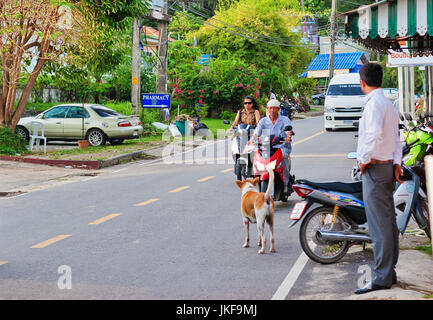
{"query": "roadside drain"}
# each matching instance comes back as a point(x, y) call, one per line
point(10, 194)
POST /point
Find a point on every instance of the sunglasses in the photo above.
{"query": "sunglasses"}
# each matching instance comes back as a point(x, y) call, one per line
point(248, 103)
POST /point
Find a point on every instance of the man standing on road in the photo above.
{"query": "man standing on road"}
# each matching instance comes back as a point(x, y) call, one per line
point(379, 153)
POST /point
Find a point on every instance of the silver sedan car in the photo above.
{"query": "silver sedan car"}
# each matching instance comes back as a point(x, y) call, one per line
point(93, 122)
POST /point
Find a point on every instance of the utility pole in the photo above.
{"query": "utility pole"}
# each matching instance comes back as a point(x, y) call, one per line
point(301, 2)
point(331, 55)
point(136, 67)
point(161, 78)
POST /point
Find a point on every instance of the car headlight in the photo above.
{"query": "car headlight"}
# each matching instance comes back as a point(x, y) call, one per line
point(329, 109)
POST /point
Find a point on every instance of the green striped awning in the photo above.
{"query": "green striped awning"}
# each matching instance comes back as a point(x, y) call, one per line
point(381, 24)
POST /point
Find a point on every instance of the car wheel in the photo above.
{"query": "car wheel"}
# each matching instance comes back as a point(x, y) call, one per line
point(96, 137)
point(116, 141)
point(328, 129)
point(23, 132)
point(316, 101)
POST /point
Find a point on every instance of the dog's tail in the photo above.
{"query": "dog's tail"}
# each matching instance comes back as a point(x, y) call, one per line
point(268, 194)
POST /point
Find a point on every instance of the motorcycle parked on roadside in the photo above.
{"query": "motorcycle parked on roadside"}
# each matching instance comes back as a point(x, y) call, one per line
point(288, 109)
point(268, 151)
point(328, 230)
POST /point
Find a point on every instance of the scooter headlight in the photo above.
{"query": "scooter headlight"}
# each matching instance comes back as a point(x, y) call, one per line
point(260, 166)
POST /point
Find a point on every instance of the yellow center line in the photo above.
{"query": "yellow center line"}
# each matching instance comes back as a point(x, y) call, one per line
point(3, 263)
point(206, 179)
point(46, 243)
point(147, 202)
point(103, 219)
point(308, 138)
point(226, 170)
point(179, 189)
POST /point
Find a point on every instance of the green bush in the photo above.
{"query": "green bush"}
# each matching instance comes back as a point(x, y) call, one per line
point(11, 143)
point(225, 115)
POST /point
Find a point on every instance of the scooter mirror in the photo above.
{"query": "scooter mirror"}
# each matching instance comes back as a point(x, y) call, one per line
point(356, 123)
point(351, 155)
point(401, 116)
point(401, 126)
point(226, 122)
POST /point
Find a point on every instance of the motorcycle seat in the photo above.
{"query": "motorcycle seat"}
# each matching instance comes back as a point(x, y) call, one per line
point(346, 187)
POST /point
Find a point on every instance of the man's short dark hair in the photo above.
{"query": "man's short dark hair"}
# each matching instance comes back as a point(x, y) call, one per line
point(372, 74)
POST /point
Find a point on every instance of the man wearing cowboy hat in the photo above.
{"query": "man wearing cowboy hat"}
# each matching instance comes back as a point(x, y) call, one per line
point(274, 124)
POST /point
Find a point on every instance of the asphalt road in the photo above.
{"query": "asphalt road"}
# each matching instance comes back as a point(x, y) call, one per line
point(169, 230)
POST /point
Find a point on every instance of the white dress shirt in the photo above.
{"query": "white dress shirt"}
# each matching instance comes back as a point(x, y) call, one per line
point(378, 132)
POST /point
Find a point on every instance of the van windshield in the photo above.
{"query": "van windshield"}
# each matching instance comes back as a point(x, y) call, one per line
point(345, 90)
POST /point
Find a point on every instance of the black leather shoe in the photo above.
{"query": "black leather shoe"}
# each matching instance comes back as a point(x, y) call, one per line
point(371, 288)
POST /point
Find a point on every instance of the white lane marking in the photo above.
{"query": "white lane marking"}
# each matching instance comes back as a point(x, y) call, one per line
point(292, 276)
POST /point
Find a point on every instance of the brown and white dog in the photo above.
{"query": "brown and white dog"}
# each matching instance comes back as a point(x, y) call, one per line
point(258, 207)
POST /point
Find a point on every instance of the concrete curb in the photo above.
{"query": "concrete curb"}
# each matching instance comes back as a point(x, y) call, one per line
point(78, 164)
point(81, 164)
point(125, 157)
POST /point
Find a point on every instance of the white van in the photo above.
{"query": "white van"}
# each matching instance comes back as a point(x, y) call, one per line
point(343, 101)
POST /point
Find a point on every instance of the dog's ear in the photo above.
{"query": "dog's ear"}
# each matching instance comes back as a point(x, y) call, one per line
point(256, 180)
point(239, 183)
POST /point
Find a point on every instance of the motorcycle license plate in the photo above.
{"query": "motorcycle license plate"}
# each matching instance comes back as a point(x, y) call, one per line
point(298, 210)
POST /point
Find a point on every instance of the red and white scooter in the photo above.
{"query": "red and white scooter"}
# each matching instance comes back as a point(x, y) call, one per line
point(267, 152)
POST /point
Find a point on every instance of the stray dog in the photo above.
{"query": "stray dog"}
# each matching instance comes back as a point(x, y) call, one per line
point(258, 207)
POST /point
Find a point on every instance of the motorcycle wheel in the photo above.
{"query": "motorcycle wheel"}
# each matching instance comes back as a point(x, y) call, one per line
point(264, 185)
point(325, 252)
point(424, 226)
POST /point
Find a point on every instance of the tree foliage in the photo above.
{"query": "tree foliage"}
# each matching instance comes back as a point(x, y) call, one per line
point(261, 34)
point(34, 32)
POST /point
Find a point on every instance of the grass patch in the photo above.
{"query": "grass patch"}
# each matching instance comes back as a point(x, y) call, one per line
point(425, 248)
point(215, 124)
point(104, 152)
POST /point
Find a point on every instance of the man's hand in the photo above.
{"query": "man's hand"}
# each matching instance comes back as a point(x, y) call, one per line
point(398, 171)
point(362, 167)
point(289, 137)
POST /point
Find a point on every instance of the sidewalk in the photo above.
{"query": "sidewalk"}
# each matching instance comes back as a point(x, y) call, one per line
point(414, 273)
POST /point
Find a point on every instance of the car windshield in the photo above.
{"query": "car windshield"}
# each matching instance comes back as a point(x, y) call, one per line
point(345, 90)
point(104, 111)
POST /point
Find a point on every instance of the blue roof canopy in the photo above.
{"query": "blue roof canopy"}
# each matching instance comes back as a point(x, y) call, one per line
point(341, 61)
point(348, 60)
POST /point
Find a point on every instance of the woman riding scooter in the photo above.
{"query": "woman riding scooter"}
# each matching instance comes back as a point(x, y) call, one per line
point(249, 115)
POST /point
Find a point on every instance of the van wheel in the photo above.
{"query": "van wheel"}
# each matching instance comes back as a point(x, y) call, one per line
point(328, 129)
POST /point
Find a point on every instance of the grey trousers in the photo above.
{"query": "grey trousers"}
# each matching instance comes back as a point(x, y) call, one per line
point(378, 184)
